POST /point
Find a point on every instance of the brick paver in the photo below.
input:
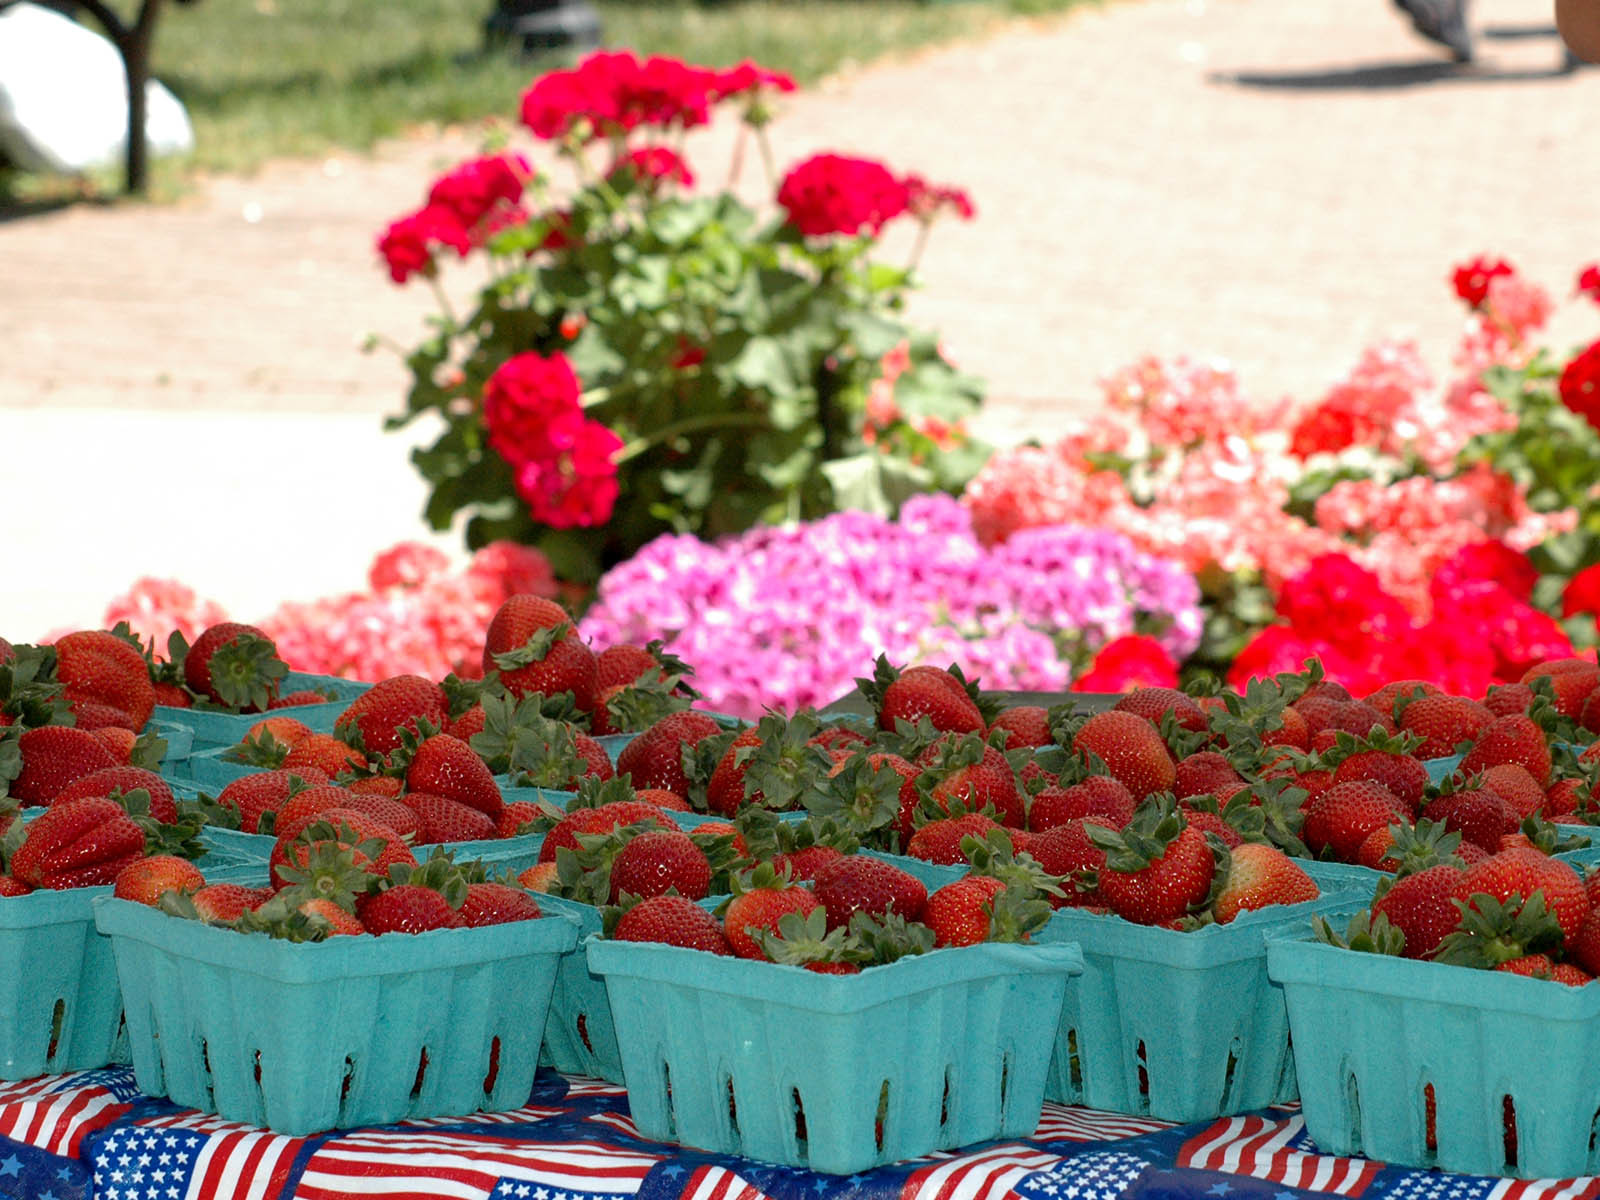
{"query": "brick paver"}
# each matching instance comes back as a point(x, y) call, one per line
point(1277, 184)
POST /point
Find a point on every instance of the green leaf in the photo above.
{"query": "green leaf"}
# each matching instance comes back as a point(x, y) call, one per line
point(762, 364)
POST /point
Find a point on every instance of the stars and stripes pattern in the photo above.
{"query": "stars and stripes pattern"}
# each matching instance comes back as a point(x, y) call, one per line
point(1070, 1123)
point(1275, 1150)
point(54, 1113)
point(988, 1175)
point(1435, 1186)
point(191, 1156)
point(720, 1183)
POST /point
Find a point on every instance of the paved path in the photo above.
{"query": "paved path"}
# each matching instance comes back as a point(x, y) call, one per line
point(1274, 183)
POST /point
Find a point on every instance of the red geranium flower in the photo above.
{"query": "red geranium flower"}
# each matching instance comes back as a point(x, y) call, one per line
point(1582, 593)
point(748, 77)
point(1471, 279)
point(575, 483)
point(1123, 663)
point(408, 244)
point(526, 402)
point(830, 194)
point(651, 166)
point(477, 188)
point(1580, 385)
point(1589, 282)
point(925, 200)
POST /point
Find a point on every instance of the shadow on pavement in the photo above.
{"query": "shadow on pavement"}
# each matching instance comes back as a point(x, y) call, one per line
point(1385, 76)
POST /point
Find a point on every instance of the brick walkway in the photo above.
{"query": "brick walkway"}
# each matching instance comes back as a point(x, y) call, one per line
point(1276, 184)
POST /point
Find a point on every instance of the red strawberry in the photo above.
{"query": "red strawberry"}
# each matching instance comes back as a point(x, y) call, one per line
point(390, 706)
point(399, 815)
point(1443, 723)
point(923, 691)
point(1384, 698)
point(339, 921)
point(1210, 822)
point(1025, 725)
point(988, 783)
point(284, 730)
point(324, 752)
point(1510, 739)
point(1157, 869)
point(497, 904)
point(621, 665)
point(541, 877)
point(759, 909)
point(1154, 703)
point(117, 740)
point(124, 779)
point(406, 908)
point(956, 913)
point(441, 819)
point(802, 865)
point(306, 806)
point(1067, 850)
point(172, 695)
point(602, 818)
point(54, 756)
point(658, 860)
point(513, 817)
point(469, 724)
point(1523, 872)
point(146, 880)
point(447, 766)
point(1131, 749)
point(83, 843)
point(534, 645)
point(1098, 796)
point(675, 921)
point(1259, 875)
point(1505, 698)
point(1291, 730)
point(669, 801)
point(1206, 773)
point(288, 852)
point(99, 667)
point(655, 757)
point(1341, 817)
point(1520, 790)
point(1422, 907)
point(13, 887)
point(1571, 680)
point(298, 699)
point(1583, 947)
point(857, 883)
point(377, 785)
point(725, 792)
point(234, 665)
point(1478, 815)
point(253, 796)
point(940, 841)
point(227, 902)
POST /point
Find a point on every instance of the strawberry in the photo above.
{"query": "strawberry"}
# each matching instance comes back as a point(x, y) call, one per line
point(939, 841)
point(658, 860)
point(1327, 689)
point(10, 886)
point(1289, 729)
point(1505, 698)
point(600, 819)
point(345, 828)
point(52, 757)
point(1341, 817)
point(441, 819)
point(534, 645)
point(1098, 796)
point(83, 843)
point(670, 801)
point(402, 816)
point(803, 864)
point(1259, 875)
point(1131, 749)
point(1158, 868)
point(1443, 723)
point(225, 903)
point(958, 783)
point(1211, 823)
point(758, 910)
point(326, 753)
point(1422, 907)
point(1478, 815)
point(1513, 784)
point(406, 908)
point(284, 730)
point(1154, 703)
point(119, 741)
point(1205, 773)
point(98, 667)
point(674, 921)
point(469, 724)
point(541, 877)
point(1571, 680)
point(921, 692)
point(1404, 776)
point(1024, 725)
point(253, 796)
point(447, 766)
point(1514, 738)
point(1068, 851)
point(620, 665)
point(514, 818)
point(725, 791)
point(956, 912)
point(497, 904)
point(1324, 713)
point(1522, 873)
point(375, 719)
point(338, 920)
point(172, 695)
point(1563, 799)
point(1384, 698)
point(1583, 947)
point(857, 883)
point(124, 780)
point(145, 880)
point(377, 785)
point(234, 665)
point(655, 757)
point(306, 806)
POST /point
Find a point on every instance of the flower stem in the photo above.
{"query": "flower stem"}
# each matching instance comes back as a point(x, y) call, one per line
point(766, 156)
point(918, 246)
point(444, 304)
point(688, 425)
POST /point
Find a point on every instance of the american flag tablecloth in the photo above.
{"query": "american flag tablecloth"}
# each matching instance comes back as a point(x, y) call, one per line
point(93, 1136)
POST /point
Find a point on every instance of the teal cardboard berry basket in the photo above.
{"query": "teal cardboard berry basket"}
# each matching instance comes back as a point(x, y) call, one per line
point(348, 1032)
point(1500, 1053)
point(228, 729)
point(1180, 1026)
point(835, 1073)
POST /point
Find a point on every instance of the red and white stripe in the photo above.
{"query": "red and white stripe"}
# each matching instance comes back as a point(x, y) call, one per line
point(527, 1115)
point(616, 1120)
point(1071, 1123)
point(719, 1183)
point(582, 1085)
point(458, 1166)
point(1257, 1147)
point(987, 1175)
point(55, 1123)
point(1583, 1188)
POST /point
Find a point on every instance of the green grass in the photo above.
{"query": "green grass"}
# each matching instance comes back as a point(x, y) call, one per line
point(269, 78)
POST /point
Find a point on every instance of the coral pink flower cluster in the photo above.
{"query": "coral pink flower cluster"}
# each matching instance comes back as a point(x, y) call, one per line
point(564, 464)
point(419, 617)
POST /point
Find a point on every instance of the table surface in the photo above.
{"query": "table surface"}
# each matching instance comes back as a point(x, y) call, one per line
point(93, 1136)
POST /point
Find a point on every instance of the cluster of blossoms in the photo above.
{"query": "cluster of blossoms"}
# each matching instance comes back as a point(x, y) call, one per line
point(419, 616)
point(564, 464)
point(833, 194)
point(464, 208)
point(790, 616)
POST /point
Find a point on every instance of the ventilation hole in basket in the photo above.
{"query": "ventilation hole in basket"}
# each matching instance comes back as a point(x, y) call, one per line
point(583, 1032)
point(1430, 1120)
point(1005, 1080)
point(1229, 1074)
point(1352, 1097)
point(207, 1081)
point(1594, 1133)
point(799, 1120)
point(881, 1122)
point(733, 1107)
point(58, 1018)
point(422, 1071)
point(666, 1091)
point(349, 1074)
point(494, 1066)
point(258, 1067)
point(944, 1100)
point(1508, 1121)
point(1074, 1065)
point(1144, 1080)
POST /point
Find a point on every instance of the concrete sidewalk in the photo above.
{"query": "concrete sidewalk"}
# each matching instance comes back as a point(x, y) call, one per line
point(1275, 184)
